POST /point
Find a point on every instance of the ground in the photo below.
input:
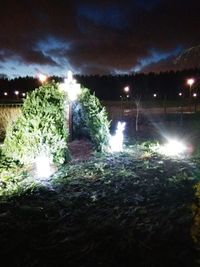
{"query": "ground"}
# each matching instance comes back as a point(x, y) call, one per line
point(124, 209)
point(80, 150)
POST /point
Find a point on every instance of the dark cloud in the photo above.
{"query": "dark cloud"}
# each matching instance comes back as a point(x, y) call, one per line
point(95, 36)
point(38, 57)
point(161, 65)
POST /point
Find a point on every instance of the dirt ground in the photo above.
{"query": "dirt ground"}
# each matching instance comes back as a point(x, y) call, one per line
point(80, 149)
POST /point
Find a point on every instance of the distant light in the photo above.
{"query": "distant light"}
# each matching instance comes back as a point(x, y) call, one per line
point(23, 94)
point(128, 96)
point(180, 94)
point(154, 95)
point(71, 87)
point(43, 168)
point(16, 92)
point(194, 95)
point(5, 93)
point(116, 141)
point(126, 89)
point(42, 78)
point(173, 148)
point(190, 81)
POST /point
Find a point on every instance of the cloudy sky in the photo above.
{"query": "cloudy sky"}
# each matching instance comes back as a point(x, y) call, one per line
point(95, 36)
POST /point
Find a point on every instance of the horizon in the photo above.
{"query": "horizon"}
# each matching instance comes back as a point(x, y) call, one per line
point(2, 76)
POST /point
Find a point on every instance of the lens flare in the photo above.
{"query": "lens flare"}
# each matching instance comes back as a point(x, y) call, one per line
point(43, 168)
point(173, 148)
point(116, 141)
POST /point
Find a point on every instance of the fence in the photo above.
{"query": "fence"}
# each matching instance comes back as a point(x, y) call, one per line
point(8, 114)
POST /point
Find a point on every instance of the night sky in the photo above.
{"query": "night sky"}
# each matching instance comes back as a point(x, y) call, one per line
point(95, 37)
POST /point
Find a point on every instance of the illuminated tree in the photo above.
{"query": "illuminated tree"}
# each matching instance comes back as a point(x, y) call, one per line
point(42, 129)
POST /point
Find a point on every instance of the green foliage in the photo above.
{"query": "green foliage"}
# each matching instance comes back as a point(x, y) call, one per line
point(12, 174)
point(8, 167)
point(39, 128)
point(91, 120)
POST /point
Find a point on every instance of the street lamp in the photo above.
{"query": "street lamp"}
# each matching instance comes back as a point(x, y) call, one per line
point(181, 107)
point(194, 95)
point(16, 92)
point(190, 82)
point(121, 106)
point(127, 95)
point(126, 89)
point(154, 95)
point(195, 101)
point(71, 89)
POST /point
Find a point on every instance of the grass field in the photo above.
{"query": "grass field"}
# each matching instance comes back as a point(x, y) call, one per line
point(135, 208)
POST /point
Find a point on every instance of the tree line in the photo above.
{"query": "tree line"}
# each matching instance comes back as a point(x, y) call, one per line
point(111, 87)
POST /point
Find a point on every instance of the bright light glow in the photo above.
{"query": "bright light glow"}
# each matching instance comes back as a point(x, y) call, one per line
point(16, 92)
point(154, 95)
point(194, 94)
point(42, 78)
point(23, 94)
point(5, 93)
point(116, 141)
point(70, 76)
point(127, 96)
point(180, 94)
point(190, 81)
point(173, 148)
point(43, 168)
point(71, 87)
point(126, 89)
